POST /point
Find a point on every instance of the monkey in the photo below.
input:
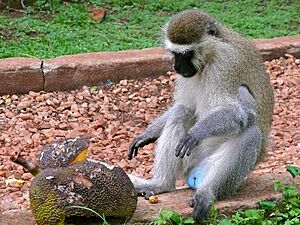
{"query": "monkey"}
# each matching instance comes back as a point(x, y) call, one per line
point(216, 130)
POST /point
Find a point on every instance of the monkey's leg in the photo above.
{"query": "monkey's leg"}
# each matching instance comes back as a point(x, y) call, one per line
point(225, 170)
point(166, 166)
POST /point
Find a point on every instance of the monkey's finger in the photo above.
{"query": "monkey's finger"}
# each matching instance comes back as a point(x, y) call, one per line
point(192, 144)
point(130, 156)
point(183, 151)
point(188, 153)
point(190, 149)
point(178, 149)
point(138, 144)
point(132, 150)
point(135, 151)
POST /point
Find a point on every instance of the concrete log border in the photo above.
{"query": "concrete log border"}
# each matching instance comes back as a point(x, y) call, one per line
point(21, 75)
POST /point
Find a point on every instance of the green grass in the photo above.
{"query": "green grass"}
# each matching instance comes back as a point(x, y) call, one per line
point(53, 29)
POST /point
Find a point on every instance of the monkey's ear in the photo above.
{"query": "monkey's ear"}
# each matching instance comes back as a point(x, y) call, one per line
point(212, 29)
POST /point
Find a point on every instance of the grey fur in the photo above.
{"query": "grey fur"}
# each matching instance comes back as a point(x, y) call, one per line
point(219, 121)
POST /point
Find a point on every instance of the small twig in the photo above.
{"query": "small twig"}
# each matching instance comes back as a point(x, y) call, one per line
point(33, 168)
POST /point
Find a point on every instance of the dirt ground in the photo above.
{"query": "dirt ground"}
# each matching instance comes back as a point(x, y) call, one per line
point(113, 114)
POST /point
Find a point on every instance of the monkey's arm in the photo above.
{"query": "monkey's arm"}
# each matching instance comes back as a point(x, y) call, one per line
point(152, 133)
point(222, 122)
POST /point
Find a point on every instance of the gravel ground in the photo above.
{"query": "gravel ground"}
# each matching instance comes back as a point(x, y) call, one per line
point(114, 114)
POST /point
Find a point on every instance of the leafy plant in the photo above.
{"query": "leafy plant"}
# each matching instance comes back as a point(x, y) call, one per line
point(169, 217)
point(294, 171)
point(284, 211)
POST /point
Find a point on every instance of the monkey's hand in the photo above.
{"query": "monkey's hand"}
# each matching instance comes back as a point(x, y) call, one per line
point(139, 142)
point(185, 146)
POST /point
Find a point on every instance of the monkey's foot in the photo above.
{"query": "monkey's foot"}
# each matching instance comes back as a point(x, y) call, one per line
point(148, 191)
point(201, 201)
point(150, 187)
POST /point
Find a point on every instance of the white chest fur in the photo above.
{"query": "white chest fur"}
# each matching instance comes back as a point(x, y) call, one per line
point(192, 93)
point(201, 94)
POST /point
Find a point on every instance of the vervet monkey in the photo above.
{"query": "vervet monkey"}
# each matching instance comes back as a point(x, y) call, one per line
point(219, 123)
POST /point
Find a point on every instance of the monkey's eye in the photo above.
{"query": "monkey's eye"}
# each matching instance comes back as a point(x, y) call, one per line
point(212, 32)
point(188, 54)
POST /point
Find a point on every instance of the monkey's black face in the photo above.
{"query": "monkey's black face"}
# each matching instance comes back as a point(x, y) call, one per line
point(183, 64)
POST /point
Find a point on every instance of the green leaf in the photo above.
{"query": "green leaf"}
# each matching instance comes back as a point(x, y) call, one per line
point(294, 171)
point(253, 214)
point(267, 204)
point(166, 214)
point(267, 222)
point(176, 218)
point(225, 222)
point(294, 212)
point(277, 185)
point(295, 201)
point(289, 191)
point(189, 220)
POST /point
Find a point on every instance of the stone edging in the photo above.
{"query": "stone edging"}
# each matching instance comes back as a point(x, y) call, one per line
point(21, 75)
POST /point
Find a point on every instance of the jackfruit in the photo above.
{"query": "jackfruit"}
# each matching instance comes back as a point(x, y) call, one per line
point(65, 188)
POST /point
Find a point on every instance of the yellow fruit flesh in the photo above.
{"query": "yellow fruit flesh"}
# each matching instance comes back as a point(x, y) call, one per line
point(81, 156)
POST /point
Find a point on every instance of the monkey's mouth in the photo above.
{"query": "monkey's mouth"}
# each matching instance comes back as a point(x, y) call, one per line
point(190, 73)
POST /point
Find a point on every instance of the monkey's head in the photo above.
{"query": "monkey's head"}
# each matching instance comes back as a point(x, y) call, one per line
point(190, 37)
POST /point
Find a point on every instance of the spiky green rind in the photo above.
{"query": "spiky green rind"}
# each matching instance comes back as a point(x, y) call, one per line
point(90, 184)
